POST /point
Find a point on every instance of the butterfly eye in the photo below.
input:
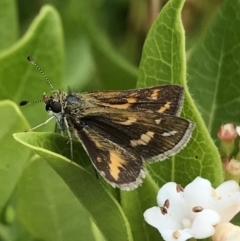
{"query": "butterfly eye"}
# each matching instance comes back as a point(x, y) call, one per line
point(56, 107)
point(53, 106)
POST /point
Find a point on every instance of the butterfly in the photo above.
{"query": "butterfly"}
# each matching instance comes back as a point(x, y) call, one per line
point(120, 130)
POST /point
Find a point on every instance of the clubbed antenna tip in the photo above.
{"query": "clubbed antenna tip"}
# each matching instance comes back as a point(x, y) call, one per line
point(24, 102)
point(29, 58)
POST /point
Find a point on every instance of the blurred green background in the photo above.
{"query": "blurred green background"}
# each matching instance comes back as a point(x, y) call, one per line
point(102, 36)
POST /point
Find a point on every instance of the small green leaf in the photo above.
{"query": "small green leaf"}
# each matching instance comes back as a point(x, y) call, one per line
point(164, 62)
point(13, 156)
point(103, 208)
point(213, 69)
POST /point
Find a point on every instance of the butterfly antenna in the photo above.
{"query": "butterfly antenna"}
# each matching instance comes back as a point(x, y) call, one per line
point(30, 59)
point(26, 102)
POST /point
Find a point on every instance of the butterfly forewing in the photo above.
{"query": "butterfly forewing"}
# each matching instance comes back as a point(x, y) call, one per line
point(165, 99)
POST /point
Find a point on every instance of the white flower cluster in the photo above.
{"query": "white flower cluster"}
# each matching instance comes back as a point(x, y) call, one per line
point(193, 211)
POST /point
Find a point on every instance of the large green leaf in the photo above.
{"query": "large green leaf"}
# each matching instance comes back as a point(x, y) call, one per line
point(103, 208)
point(13, 157)
point(48, 208)
point(163, 62)
point(213, 69)
point(18, 78)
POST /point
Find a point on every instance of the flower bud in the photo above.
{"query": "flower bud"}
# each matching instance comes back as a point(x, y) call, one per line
point(232, 168)
point(226, 232)
point(227, 134)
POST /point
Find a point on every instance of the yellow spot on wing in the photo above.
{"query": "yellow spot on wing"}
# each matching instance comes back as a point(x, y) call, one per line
point(154, 94)
point(128, 122)
point(144, 139)
point(165, 107)
point(117, 106)
point(125, 106)
point(131, 100)
point(116, 162)
point(137, 143)
point(158, 121)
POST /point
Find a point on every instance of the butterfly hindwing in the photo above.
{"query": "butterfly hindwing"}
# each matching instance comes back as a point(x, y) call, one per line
point(119, 165)
point(155, 137)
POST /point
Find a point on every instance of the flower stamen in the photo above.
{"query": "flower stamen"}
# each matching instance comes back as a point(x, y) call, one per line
point(215, 194)
point(166, 203)
point(179, 188)
point(197, 209)
point(176, 234)
point(163, 210)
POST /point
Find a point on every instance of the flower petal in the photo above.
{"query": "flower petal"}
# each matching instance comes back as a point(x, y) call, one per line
point(197, 194)
point(202, 226)
point(227, 207)
point(155, 218)
point(176, 208)
point(176, 235)
point(227, 188)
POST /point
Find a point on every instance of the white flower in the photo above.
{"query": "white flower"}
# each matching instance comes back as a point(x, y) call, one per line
point(194, 211)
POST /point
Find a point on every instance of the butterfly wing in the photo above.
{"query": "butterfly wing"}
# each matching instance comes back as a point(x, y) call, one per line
point(120, 129)
point(117, 141)
point(167, 99)
point(153, 137)
point(119, 165)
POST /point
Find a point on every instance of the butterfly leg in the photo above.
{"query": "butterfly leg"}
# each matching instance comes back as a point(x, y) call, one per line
point(42, 124)
point(69, 136)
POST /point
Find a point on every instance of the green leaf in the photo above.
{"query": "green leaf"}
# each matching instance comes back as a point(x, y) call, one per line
point(103, 208)
point(164, 62)
point(19, 79)
point(47, 207)
point(9, 24)
point(213, 69)
point(13, 155)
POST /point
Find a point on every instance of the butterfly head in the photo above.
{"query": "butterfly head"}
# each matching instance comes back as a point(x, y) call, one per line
point(52, 103)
